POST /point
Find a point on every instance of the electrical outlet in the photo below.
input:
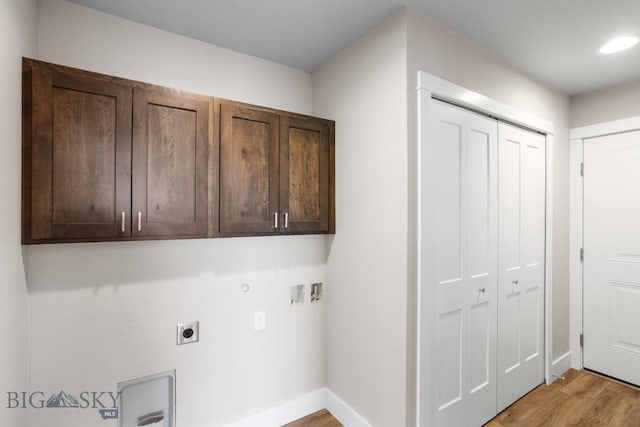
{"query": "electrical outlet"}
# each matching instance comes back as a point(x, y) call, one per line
point(260, 321)
point(188, 333)
point(316, 292)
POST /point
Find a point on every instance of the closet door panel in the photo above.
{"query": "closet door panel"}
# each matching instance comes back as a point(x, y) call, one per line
point(480, 339)
point(450, 361)
point(533, 229)
point(462, 277)
point(510, 175)
point(481, 241)
point(449, 205)
point(509, 249)
point(532, 323)
point(479, 208)
point(533, 202)
point(521, 262)
point(448, 284)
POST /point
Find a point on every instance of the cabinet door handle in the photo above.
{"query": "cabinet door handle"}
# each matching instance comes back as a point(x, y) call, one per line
point(286, 220)
point(124, 218)
point(275, 220)
point(139, 221)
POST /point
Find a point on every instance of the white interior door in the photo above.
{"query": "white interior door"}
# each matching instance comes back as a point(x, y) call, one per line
point(612, 255)
point(459, 269)
point(521, 262)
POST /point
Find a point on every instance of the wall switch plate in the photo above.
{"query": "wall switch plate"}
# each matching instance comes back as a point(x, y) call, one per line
point(297, 295)
point(260, 321)
point(316, 292)
point(188, 333)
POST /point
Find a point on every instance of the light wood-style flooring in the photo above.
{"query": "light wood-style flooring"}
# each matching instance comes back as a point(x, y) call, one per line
point(317, 419)
point(581, 399)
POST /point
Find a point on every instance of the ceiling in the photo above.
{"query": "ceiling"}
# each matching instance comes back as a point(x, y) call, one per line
point(554, 41)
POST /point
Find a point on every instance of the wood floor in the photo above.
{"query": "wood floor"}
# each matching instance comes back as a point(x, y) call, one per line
point(318, 419)
point(581, 399)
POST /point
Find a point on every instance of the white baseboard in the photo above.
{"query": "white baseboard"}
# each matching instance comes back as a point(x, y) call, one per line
point(286, 412)
point(560, 365)
point(344, 413)
point(301, 407)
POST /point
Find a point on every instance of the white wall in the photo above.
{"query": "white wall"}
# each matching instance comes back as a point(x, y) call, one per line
point(17, 38)
point(436, 50)
point(103, 313)
point(371, 312)
point(364, 89)
point(615, 103)
point(74, 35)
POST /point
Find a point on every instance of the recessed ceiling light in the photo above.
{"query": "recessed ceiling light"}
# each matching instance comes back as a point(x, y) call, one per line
point(619, 44)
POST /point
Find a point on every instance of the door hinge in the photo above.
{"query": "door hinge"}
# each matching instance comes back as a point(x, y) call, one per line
point(581, 254)
point(582, 169)
point(581, 340)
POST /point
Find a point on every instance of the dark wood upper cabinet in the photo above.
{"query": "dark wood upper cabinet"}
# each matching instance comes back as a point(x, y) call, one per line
point(249, 171)
point(77, 148)
point(109, 159)
point(106, 158)
point(276, 172)
point(306, 174)
point(170, 164)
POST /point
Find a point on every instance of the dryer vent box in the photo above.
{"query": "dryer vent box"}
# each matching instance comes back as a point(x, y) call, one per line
point(148, 401)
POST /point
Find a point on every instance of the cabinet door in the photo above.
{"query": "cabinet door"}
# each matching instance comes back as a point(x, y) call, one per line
point(249, 171)
point(170, 164)
point(77, 157)
point(306, 174)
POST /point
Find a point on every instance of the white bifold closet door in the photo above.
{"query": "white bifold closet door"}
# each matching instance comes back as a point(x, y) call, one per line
point(521, 268)
point(482, 266)
point(462, 212)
